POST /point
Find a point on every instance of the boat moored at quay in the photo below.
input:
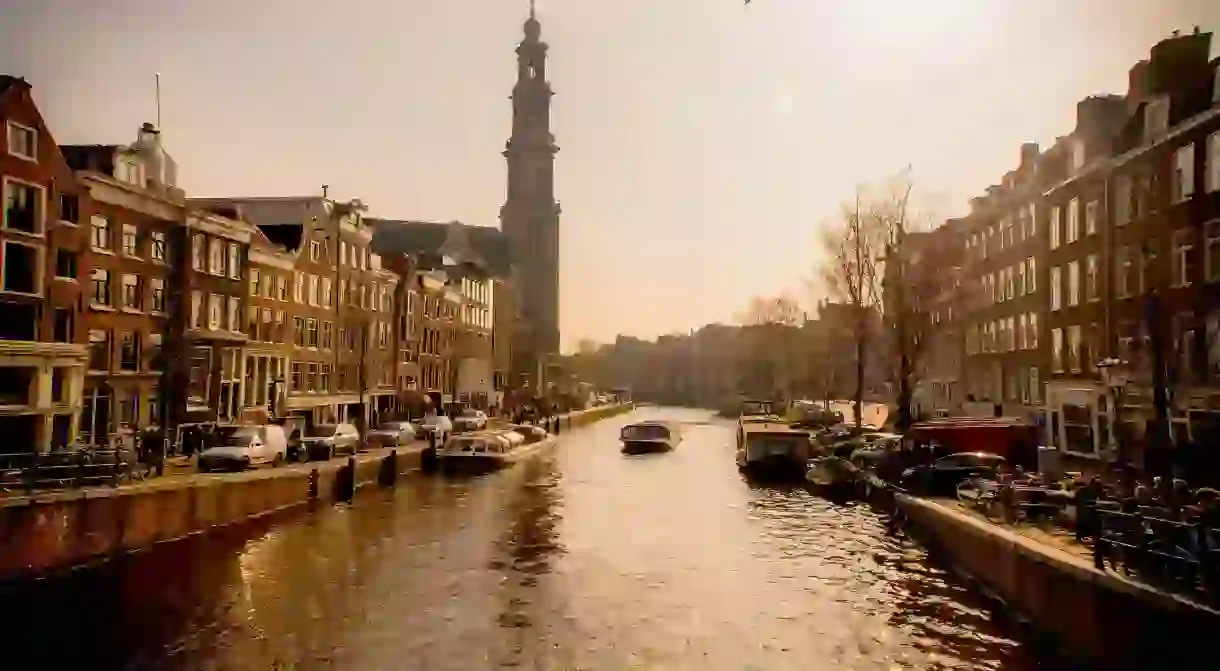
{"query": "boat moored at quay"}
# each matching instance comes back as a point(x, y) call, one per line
point(487, 451)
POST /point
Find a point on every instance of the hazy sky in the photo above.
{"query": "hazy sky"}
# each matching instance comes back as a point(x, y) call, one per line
point(703, 141)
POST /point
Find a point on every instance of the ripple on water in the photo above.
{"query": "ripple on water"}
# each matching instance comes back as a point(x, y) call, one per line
point(582, 559)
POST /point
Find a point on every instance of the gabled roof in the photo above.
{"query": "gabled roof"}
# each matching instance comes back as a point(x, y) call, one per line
point(93, 157)
point(8, 81)
point(488, 246)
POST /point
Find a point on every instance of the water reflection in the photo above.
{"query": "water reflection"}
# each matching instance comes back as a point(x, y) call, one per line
point(582, 558)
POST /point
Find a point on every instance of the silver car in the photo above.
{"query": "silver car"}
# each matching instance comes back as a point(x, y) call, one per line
point(390, 434)
point(324, 441)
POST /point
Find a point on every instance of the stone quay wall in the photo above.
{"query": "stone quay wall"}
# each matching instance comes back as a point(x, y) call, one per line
point(1090, 616)
point(54, 531)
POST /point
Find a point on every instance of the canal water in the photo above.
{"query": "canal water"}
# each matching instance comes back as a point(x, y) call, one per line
point(580, 559)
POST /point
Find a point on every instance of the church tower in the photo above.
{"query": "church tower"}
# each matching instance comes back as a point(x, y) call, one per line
point(530, 215)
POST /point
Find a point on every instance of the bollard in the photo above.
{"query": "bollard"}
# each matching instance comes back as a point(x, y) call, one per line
point(389, 469)
point(345, 481)
point(427, 460)
point(558, 421)
point(313, 484)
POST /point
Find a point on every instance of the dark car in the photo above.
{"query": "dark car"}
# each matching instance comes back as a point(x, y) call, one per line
point(941, 477)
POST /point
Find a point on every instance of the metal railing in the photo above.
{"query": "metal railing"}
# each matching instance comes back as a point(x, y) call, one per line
point(85, 466)
point(1179, 556)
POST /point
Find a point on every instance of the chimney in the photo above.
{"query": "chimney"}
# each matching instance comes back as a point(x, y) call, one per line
point(1139, 83)
point(1029, 154)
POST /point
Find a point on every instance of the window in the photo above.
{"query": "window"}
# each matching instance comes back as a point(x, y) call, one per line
point(199, 251)
point(1073, 221)
point(22, 268)
point(100, 289)
point(235, 314)
point(1211, 176)
point(252, 313)
point(157, 295)
point(1031, 338)
point(1182, 181)
point(99, 233)
point(1183, 259)
point(298, 287)
point(234, 265)
point(325, 302)
point(1073, 348)
point(1031, 276)
point(22, 141)
point(157, 246)
point(1009, 283)
point(1090, 218)
point(1073, 288)
point(1021, 279)
point(196, 308)
point(99, 350)
point(1211, 249)
point(254, 281)
point(281, 288)
point(215, 311)
point(152, 355)
point(312, 283)
point(63, 325)
point(311, 332)
point(298, 331)
point(1156, 117)
point(1056, 284)
point(1057, 350)
point(315, 249)
point(326, 335)
point(1054, 227)
point(1022, 331)
point(69, 208)
point(131, 240)
point(1090, 278)
point(130, 170)
point(1122, 200)
point(216, 257)
point(270, 330)
point(129, 352)
point(131, 292)
point(1123, 272)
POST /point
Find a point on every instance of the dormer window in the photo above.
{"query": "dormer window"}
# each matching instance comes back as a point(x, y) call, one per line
point(1156, 118)
point(130, 171)
point(22, 141)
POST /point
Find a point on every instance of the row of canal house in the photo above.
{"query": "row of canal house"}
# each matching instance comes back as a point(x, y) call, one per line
point(126, 304)
point(1103, 249)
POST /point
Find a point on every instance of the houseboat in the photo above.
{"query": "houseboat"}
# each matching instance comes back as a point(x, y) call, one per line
point(774, 447)
point(650, 436)
point(492, 450)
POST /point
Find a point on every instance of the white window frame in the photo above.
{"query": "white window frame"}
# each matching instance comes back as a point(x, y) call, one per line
point(12, 126)
point(40, 213)
point(1211, 238)
point(123, 292)
point(1074, 342)
point(154, 238)
point(216, 311)
point(1092, 285)
point(1032, 337)
point(216, 257)
point(1182, 177)
point(1073, 222)
point(197, 308)
point(1091, 209)
point(135, 234)
point(1181, 246)
point(234, 314)
point(156, 284)
point(40, 262)
point(1073, 283)
point(1056, 350)
point(1056, 280)
point(233, 261)
point(1055, 226)
point(1031, 276)
point(109, 285)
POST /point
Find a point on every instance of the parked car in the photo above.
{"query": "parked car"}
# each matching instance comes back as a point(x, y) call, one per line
point(325, 441)
point(390, 434)
point(436, 425)
point(470, 420)
point(941, 477)
point(240, 447)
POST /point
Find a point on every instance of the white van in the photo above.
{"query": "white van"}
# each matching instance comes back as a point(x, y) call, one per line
point(240, 447)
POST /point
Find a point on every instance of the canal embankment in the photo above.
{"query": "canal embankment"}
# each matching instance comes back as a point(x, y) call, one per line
point(52, 531)
point(1095, 616)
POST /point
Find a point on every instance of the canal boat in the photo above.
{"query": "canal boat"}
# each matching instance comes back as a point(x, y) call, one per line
point(492, 450)
point(773, 447)
point(650, 436)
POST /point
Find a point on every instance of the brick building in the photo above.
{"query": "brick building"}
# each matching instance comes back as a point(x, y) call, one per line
point(44, 266)
point(269, 320)
point(133, 227)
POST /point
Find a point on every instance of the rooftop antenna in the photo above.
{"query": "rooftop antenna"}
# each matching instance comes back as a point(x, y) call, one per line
point(158, 101)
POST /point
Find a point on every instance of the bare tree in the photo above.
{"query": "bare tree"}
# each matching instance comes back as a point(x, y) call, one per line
point(854, 245)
